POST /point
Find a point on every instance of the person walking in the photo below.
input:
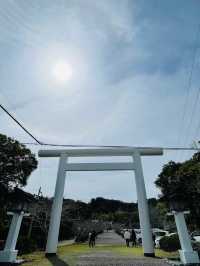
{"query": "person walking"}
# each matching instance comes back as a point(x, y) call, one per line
point(154, 238)
point(133, 237)
point(127, 236)
point(89, 239)
point(92, 238)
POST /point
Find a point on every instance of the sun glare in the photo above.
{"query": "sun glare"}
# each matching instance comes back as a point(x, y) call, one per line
point(62, 71)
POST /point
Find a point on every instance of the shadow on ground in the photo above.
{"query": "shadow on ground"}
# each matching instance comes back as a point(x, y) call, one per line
point(56, 261)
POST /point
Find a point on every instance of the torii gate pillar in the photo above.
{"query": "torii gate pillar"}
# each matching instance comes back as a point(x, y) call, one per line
point(54, 226)
point(136, 165)
point(145, 226)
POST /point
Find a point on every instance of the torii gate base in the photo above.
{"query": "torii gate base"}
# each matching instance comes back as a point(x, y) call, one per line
point(136, 165)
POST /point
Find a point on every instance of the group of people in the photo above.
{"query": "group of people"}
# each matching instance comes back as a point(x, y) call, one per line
point(130, 237)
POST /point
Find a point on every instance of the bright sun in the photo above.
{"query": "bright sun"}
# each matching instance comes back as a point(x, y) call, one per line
point(62, 71)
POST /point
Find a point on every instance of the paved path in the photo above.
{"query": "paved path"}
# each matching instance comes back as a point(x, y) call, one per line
point(110, 238)
point(108, 258)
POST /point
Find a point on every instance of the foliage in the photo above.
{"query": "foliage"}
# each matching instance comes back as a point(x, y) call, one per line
point(181, 182)
point(16, 163)
point(170, 243)
point(26, 245)
point(106, 210)
point(66, 230)
point(168, 180)
point(84, 234)
point(196, 247)
point(101, 205)
point(157, 212)
point(3, 230)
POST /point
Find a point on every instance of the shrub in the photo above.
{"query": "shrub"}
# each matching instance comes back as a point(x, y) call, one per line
point(66, 230)
point(2, 244)
point(26, 245)
point(82, 237)
point(196, 247)
point(3, 231)
point(170, 243)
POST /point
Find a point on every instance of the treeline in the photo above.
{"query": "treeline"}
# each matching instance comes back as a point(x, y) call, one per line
point(115, 211)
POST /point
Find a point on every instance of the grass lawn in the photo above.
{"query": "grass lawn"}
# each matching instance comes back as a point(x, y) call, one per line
point(67, 255)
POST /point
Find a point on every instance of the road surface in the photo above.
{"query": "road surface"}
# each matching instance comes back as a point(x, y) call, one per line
point(109, 238)
point(108, 258)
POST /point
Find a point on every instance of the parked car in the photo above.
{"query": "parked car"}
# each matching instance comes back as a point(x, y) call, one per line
point(157, 240)
point(158, 233)
point(195, 236)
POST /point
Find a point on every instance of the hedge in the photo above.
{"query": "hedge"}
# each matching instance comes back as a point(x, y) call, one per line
point(170, 243)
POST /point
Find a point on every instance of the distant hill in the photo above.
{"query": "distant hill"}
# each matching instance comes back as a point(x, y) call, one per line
point(101, 205)
point(101, 209)
point(104, 209)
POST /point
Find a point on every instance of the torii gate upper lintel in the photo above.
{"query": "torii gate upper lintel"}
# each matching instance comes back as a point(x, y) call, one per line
point(136, 166)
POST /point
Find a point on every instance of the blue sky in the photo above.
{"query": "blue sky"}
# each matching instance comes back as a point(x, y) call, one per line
point(131, 63)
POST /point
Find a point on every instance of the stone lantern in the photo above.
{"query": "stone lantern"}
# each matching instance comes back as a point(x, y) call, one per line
point(18, 207)
point(177, 205)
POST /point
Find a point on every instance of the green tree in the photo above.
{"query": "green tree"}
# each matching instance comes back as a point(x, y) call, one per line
point(181, 181)
point(16, 163)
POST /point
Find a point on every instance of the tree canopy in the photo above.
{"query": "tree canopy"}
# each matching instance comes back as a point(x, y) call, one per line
point(16, 163)
point(181, 182)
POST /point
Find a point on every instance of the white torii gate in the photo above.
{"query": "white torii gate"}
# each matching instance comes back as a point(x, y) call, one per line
point(136, 166)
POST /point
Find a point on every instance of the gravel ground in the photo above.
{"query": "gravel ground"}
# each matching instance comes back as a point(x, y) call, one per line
point(109, 259)
point(110, 238)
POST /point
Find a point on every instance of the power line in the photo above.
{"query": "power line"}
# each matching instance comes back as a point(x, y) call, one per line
point(192, 115)
point(110, 146)
point(189, 84)
point(17, 122)
point(85, 145)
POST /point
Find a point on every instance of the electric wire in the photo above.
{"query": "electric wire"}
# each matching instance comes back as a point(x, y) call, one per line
point(188, 87)
point(16, 121)
point(38, 142)
point(192, 116)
